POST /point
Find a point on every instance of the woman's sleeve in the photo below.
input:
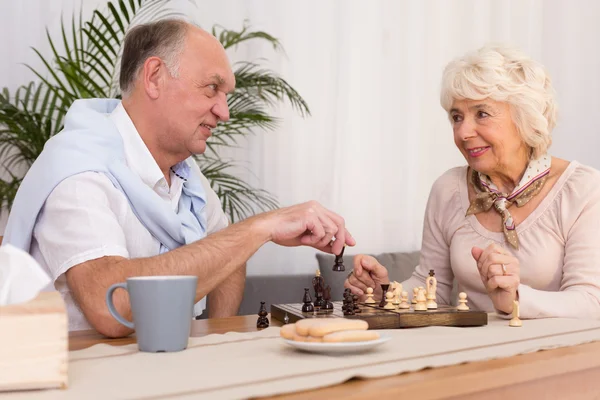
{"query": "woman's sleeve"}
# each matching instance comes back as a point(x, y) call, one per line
point(435, 249)
point(579, 295)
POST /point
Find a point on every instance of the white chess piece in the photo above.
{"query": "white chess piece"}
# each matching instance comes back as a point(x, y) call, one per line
point(415, 294)
point(421, 301)
point(398, 288)
point(397, 292)
point(462, 299)
point(431, 304)
point(389, 298)
point(369, 299)
point(431, 282)
point(404, 304)
point(515, 321)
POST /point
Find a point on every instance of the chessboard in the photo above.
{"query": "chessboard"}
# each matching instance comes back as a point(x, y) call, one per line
point(379, 318)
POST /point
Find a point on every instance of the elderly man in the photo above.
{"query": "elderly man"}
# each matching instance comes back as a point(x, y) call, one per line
point(116, 194)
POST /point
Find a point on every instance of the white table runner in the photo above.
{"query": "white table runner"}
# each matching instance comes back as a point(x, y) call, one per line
point(241, 365)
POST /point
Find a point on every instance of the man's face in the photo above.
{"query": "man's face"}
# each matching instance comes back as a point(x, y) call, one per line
point(195, 101)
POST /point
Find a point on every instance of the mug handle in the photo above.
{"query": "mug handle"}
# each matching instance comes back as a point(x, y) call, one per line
point(111, 307)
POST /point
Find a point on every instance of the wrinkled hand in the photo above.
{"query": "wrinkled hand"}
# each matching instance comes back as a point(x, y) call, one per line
point(367, 273)
point(308, 224)
point(501, 285)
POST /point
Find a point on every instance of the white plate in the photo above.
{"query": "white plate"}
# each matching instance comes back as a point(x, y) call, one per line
point(344, 348)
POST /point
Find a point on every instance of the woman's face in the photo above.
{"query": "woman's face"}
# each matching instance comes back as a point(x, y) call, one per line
point(486, 135)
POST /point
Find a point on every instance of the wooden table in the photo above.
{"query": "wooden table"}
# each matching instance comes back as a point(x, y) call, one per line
point(565, 373)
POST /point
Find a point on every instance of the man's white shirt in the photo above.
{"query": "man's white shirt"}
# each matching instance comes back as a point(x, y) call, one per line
point(86, 217)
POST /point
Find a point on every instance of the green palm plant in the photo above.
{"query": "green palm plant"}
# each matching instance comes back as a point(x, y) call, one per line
point(89, 67)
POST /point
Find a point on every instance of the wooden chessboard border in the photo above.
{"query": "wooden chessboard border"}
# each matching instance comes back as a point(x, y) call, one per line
point(379, 318)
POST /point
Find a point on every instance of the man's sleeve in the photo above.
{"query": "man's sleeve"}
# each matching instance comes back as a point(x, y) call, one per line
point(80, 222)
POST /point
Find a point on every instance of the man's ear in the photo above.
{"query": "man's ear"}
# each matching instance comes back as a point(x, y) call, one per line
point(152, 75)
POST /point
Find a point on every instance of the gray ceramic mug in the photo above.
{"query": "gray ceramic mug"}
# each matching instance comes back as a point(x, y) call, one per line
point(162, 309)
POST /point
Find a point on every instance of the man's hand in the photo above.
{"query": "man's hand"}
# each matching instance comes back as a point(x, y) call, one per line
point(308, 224)
point(367, 273)
point(500, 273)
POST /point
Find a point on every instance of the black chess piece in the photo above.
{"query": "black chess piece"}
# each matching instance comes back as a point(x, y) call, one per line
point(348, 305)
point(319, 286)
point(339, 261)
point(307, 306)
point(384, 289)
point(326, 298)
point(357, 309)
point(263, 321)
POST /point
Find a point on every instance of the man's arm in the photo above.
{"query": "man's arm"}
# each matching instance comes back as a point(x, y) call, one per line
point(211, 259)
point(225, 300)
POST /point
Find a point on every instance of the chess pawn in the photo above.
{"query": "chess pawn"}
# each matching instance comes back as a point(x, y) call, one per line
point(369, 299)
point(415, 294)
point(462, 302)
point(421, 301)
point(389, 298)
point(307, 300)
point(515, 321)
point(263, 321)
point(404, 304)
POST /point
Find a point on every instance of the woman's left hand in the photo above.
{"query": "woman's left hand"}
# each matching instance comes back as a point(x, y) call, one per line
point(500, 273)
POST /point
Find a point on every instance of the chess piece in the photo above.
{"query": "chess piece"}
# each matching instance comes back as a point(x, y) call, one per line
point(326, 299)
point(369, 299)
point(307, 306)
point(462, 300)
point(319, 286)
point(404, 304)
point(389, 299)
point(421, 301)
point(397, 291)
point(339, 261)
point(348, 306)
point(415, 294)
point(431, 282)
point(357, 309)
point(263, 321)
point(384, 289)
point(515, 321)
point(431, 289)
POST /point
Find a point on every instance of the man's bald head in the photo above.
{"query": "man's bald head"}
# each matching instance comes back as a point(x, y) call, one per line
point(175, 78)
point(164, 39)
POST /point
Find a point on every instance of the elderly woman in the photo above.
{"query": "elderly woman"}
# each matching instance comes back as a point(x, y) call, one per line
point(516, 223)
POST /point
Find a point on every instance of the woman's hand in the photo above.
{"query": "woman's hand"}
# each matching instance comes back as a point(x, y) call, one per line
point(500, 273)
point(367, 273)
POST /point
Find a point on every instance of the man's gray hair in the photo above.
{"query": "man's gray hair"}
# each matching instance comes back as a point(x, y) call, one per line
point(164, 39)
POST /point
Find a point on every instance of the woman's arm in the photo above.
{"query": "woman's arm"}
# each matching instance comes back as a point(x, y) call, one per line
point(579, 295)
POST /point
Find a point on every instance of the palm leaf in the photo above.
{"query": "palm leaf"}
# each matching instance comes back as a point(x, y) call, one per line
point(89, 67)
point(238, 199)
point(230, 38)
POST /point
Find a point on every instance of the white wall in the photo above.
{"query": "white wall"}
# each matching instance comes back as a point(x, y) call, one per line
point(370, 71)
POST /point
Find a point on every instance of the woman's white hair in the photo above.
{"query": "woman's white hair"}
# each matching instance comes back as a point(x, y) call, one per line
point(507, 75)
